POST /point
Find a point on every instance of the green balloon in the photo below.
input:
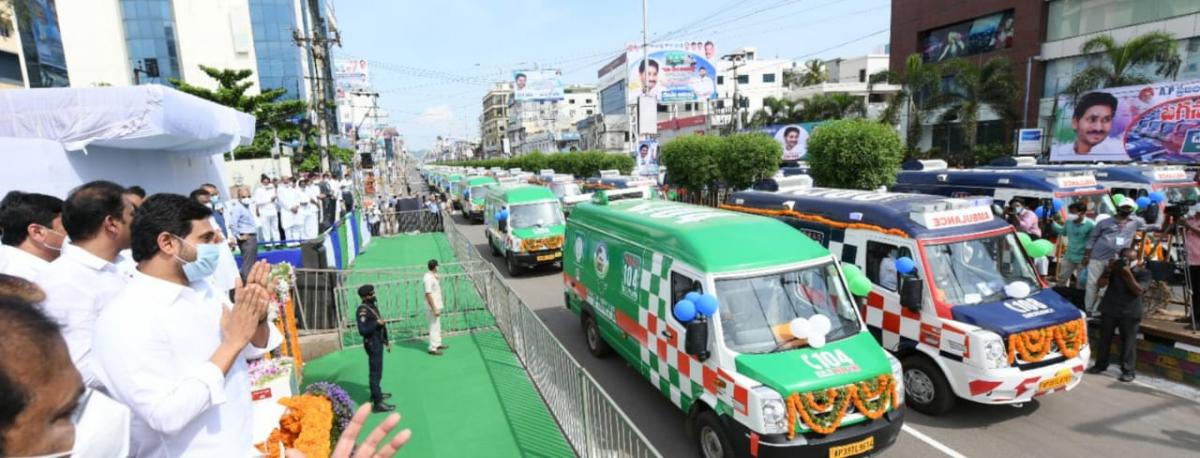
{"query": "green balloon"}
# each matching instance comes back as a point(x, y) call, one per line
point(1040, 248)
point(1025, 239)
point(1117, 198)
point(860, 286)
point(851, 272)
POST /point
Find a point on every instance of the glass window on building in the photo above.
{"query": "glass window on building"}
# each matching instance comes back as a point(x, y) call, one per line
point(278, 58)
point(768, 78)
point(743, 79)
point(41, 41)
point(1072, 18)
point(150, 40)
point(720, 79)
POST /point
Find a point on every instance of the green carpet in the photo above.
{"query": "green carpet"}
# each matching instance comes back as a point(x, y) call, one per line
point(401, 292)
point(474, 401)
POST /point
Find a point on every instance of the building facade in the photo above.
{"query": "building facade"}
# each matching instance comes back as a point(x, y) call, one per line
point(851, 76)
point(12, 72)
point(493, 120)
point(42, 44)
point(549, 125)
point(978, 31)
point(278, 58)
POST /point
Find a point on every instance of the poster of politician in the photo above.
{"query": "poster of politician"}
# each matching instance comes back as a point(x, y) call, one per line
point(1150, 122)
point(673, 72)
point(537, 85)
point(792, 137)
point(647, 157)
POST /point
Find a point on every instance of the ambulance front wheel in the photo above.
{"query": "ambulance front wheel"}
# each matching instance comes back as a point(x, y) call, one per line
point(595, 342)
point(926, 389)
point(713, 441)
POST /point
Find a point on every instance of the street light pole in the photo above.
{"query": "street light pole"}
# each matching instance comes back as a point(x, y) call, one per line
point(736, 58)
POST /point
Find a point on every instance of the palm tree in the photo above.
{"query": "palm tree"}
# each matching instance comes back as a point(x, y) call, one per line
point(774, 111)
point(919, 85)
point(814, 73)
point(974, 87)
point(1119, 62)
point(837, 105)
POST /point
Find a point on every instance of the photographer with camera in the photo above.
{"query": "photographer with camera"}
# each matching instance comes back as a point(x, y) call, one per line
point(1121, 309)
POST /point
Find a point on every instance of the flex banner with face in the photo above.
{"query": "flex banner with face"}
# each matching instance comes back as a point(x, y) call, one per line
point(1150, 122)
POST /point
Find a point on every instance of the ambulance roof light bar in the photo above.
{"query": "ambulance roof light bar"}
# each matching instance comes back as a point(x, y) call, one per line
point(610, 173)
point(794, 182)
point(562, 178)
point(545, 172)
point(925, 164)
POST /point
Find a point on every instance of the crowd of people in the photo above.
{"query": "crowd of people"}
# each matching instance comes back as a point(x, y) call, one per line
point(128, 326)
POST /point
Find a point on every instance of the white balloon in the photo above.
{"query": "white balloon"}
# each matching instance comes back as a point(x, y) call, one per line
point(801, 328)
point(816, 341)
point(1017, 290)
point(820, 324)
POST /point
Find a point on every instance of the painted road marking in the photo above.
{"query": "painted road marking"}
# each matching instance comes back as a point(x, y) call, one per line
point(932, 442)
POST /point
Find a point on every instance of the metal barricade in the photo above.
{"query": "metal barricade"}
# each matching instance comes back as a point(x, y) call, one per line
point(404, 310)
point(409, 222)
point(590, 420)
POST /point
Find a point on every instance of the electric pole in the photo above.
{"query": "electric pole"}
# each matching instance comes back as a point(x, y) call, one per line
point(736, 58)
point(321, 92)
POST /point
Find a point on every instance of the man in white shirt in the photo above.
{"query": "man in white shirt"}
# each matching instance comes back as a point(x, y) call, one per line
point(33, 233)
point(173, 349)
point(289, 210)
point(887, 271)
point(309, 206)
point(134, 195)
point(1092, 122)
point(82, 282)
point(433, 298)
point(266, 209)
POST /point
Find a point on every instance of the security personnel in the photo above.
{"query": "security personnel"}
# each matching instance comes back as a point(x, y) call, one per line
point(375, 338)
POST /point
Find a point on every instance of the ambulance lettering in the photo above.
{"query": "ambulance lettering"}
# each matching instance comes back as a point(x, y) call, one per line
point(1029, 308)
point(829, 363)
point(957, 217)
point(1076, 181)
point(683, 215)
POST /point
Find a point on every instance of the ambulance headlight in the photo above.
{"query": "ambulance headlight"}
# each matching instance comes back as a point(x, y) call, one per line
point(774, 415)
point(898, 375)
point(995, 355)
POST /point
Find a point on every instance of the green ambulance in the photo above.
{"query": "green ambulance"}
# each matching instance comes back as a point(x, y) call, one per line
point(454, 190)
point(525, 226)
point(474, 192)
point(742, 322)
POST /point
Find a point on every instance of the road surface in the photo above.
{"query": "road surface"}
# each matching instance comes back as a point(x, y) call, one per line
point(1100, 417)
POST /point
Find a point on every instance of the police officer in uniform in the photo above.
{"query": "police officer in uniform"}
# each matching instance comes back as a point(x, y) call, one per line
point(375, 338)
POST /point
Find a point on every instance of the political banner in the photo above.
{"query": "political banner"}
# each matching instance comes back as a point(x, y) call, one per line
point(792, 137)
point(537, 85)
point(672, 72)
point(647, 157)
point(1152, 122)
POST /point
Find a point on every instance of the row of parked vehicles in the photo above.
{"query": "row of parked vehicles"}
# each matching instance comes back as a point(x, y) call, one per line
point(802, 320)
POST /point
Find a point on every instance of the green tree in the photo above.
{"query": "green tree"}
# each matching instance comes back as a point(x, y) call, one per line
point(974, 87)
point(919, 85)
point(855, 154)
point(814, 73)
point(1119, 63)
point(692, 161)
point(838, 105)
point(746, 158)
point(271, 114)
point(775, 111)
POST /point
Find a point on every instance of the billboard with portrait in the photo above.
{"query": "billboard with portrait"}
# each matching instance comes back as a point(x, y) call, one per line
point(975, 36)
point(646, 157)
point(792, 137)
point(1151, 122)
point(672, 72)
point(537, 85)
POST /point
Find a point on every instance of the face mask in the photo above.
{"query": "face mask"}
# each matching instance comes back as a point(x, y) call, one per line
point(1125, 211)
point(205, 264)
point(53, 248)
point(101, 428)
point(215, 200)
point(245, 201)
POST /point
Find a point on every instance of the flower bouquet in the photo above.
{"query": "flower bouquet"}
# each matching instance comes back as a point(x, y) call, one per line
point(343, 405)
point(264, 371)
point(306, 426)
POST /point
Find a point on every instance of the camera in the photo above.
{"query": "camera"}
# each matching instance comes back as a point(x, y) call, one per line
point(1179, 209)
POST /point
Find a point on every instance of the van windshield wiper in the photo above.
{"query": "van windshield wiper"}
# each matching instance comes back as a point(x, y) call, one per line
point(781, 345)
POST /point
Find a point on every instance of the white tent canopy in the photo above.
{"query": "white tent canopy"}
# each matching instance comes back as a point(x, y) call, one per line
point(52, 140)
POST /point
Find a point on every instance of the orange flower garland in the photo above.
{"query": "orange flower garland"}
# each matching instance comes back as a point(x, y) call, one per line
point(293, 335)
point(306, 427)
point(1034, 345)
point(837, 402)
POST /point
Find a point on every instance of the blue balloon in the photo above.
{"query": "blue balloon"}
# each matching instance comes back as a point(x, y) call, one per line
point(1058, 205)
point(1040, 212)
point(1143, 202)
point(685, 311)
point(501, 215)
point(693, 296)
point(905, 265)
point(707, 305)
point(1158, 197)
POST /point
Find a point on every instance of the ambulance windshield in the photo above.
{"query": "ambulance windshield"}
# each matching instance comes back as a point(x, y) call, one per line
point(756, 311)
point(541, 214)
point(477, 192)
point(1097, 203)
point(564, 189)
point(976, 271)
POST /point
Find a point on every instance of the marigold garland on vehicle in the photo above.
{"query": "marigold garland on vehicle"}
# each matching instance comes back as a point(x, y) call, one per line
point(823, 410)
point(1033, 345)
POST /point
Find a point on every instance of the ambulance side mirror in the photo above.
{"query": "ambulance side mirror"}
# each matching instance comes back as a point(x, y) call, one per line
point(696, 338)
point(912, 292)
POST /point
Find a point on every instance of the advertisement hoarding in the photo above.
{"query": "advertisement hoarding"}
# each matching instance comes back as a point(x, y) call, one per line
point(537, 85)
point(672, 72)
point(1149, 122)
point(1029, 142)
point(792, 137)
point(983, 34)
point(647, 157)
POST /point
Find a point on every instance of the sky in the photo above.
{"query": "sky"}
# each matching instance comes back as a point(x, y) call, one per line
point(433, 61)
